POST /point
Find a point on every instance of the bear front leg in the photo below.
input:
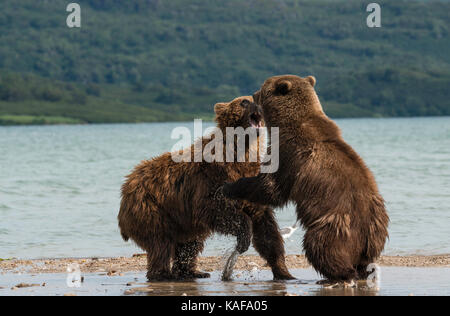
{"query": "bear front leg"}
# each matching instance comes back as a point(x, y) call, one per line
point(260, 189)
point(185, 263)
point(269, 243)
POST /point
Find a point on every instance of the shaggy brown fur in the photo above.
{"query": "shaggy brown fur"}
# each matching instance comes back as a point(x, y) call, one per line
point(170, 208)
point(337, 199)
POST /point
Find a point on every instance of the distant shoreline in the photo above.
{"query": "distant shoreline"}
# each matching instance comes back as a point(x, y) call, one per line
point(113, 266)
point(27, 120)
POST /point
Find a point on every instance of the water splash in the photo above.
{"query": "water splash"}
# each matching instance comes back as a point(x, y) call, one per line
point(229, 259)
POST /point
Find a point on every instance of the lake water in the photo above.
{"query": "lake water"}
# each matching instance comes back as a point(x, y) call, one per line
point(60, 185)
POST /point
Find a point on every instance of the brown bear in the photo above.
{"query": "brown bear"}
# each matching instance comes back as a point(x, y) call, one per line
point(337, 199)
point(169, 208)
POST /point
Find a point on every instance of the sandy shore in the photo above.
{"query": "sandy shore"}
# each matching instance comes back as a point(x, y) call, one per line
point(117, 266)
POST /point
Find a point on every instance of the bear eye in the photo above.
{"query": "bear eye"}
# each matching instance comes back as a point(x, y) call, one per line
point(245, 103)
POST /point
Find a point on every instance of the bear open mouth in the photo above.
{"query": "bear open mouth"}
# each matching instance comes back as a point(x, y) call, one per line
point(255, 120)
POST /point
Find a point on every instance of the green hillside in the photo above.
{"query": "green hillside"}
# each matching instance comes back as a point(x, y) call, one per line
point(159, 60)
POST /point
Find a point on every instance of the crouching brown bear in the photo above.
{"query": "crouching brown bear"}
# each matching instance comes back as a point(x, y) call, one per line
point(337, 199)
point(169, 208)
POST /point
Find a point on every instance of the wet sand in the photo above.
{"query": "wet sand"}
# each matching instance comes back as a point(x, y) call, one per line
point(414, 275)
point(403, 281)
point(137, 263)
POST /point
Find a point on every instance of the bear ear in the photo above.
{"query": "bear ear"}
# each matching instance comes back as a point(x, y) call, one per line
point(312, 80)
point(283, 87)
point(219, 108)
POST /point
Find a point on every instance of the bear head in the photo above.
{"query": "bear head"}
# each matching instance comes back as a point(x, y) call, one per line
point(288, 98)
point(241, 112)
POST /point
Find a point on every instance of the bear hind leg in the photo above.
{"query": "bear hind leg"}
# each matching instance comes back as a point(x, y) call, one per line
point(331, 259)
point(269, 243)
point(158, 261)
point(184, 266)
point(363, 269)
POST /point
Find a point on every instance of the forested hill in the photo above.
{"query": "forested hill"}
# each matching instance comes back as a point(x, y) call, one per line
point(159, 60)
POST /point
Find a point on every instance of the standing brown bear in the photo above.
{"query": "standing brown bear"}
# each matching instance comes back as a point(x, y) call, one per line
point(336, 195)
point(169, 208)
